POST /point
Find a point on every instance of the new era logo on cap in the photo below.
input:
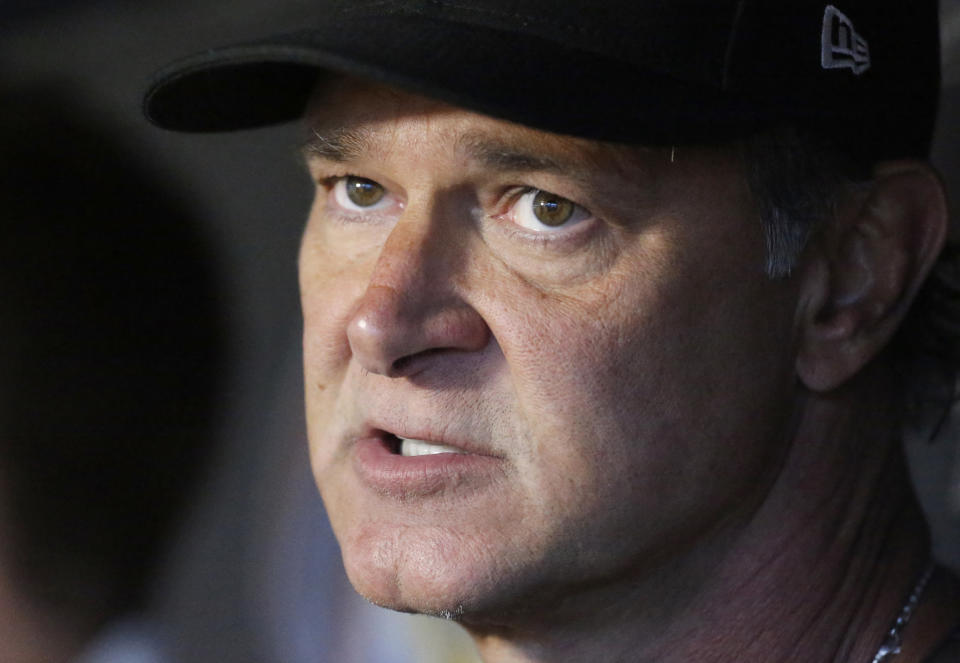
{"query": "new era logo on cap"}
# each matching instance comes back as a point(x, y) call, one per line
point(842, 47)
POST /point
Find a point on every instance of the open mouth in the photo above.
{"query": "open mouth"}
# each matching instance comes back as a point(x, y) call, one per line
point(409, 447)
point(400, 467)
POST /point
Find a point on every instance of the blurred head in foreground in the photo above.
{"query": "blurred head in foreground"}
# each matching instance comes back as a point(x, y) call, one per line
point(110, 344)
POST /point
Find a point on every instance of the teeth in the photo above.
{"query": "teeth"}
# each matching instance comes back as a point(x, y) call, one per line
point(421, 448)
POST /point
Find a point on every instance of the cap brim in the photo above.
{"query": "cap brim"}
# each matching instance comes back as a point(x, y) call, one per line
point(528, 80)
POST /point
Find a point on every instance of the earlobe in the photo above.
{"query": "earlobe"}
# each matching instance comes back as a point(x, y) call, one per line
point(865, 271)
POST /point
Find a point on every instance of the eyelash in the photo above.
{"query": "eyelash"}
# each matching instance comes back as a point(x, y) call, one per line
point(506, 205)
point(513, 198)
point(329, 184)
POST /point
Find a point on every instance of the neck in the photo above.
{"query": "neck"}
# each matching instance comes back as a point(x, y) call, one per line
point(816, 569)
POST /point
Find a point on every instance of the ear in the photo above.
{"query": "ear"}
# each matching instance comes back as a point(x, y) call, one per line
point(865, 270)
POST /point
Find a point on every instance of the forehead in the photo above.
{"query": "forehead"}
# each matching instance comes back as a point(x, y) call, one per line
point(347, 117)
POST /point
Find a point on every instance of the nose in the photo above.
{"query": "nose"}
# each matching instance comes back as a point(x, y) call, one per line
point(411, 313)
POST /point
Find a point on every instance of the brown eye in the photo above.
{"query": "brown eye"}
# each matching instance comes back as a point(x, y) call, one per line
point(552, 210)
point(363, 192)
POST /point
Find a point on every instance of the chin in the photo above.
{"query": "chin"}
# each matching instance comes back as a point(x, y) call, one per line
point(430, 571)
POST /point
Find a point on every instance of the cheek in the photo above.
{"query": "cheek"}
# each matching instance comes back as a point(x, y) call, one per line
point(326, 312)
point(331, 283)
point(334, 268)
point(647, 394)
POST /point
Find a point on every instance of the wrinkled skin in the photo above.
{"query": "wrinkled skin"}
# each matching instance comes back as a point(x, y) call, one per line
point(626, 378)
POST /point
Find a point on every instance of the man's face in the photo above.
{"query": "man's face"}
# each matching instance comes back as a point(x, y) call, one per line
point(590, 326)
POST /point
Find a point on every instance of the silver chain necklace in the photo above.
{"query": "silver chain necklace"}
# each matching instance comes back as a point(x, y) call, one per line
point(891, 645)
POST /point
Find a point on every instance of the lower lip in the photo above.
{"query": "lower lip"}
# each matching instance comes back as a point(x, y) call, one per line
point(415, 476)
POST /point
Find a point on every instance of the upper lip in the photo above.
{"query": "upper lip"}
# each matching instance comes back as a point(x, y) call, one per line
point(425, 433)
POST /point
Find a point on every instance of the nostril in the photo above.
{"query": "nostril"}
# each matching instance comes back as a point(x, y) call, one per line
point(399, 366)
point(405, 366)
point(391, 332)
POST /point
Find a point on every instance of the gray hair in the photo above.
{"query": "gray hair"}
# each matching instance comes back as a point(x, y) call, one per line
point(797, 180)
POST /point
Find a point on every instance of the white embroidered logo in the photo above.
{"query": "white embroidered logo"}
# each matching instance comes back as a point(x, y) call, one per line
point(842, 47)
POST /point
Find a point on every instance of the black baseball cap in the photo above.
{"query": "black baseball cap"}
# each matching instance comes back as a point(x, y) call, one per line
point(864, 73)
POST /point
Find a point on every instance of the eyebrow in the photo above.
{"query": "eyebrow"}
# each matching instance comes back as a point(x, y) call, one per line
point(338, 145)
point(342, 145)
point(497, 155)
